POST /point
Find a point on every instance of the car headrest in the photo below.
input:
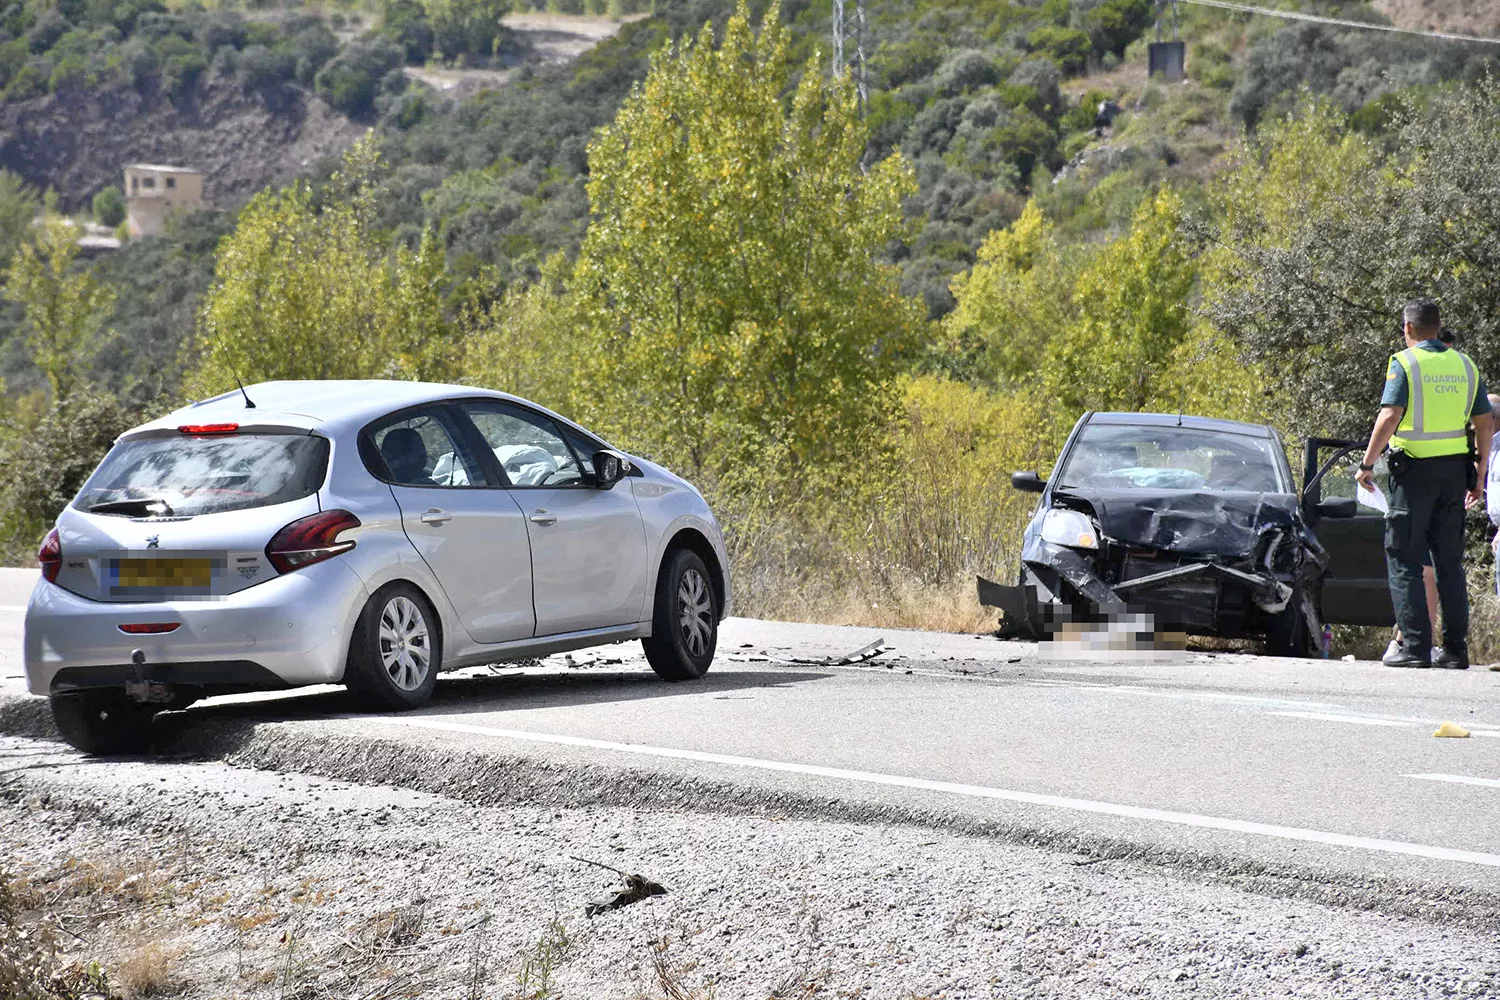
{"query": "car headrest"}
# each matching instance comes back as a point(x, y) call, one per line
point(405, 454)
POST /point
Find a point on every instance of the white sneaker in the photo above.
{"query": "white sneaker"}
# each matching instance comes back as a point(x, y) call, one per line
point(1435, 651)
point(1393, 648)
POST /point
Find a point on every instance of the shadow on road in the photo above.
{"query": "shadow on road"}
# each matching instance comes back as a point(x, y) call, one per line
point(480, 694)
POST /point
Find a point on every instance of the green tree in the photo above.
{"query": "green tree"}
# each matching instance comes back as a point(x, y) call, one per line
point(527, 342)
point(461, 27)
point(733, 264)
point(109, 207)
point(19, 206)
point(1019, 293)
point(64, 306)
point(307, 292)
point(1133, 312)
point(1321, 239)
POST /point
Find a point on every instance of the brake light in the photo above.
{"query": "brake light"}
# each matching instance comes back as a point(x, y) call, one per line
point(50, 556)
point(202, 429)
point(150, 628)
point(309, 540)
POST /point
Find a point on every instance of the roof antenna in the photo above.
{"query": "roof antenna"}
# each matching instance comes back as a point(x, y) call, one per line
point(250, 405)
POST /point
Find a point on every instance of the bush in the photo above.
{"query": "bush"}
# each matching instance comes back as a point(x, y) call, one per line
point(1067, 47)
point(351, 80)
point(43, 464)
point(109, 207)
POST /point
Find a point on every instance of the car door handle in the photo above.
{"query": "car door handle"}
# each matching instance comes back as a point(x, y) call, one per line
point(540, 516)
point(436, 517)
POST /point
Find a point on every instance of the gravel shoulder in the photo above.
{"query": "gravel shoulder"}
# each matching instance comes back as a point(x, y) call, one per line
point(250, 883)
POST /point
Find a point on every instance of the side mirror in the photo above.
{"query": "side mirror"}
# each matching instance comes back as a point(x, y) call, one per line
point(609, 468)
point(1337, 507)
point(1027, 482)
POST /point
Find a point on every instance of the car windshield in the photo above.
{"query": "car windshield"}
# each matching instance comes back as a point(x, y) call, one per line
point(1126, 456)
point(186, 475)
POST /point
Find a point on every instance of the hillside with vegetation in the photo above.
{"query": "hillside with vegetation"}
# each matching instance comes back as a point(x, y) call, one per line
point(848, 323)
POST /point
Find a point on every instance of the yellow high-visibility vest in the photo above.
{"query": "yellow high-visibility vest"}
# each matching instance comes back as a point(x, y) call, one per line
point(1440, 396)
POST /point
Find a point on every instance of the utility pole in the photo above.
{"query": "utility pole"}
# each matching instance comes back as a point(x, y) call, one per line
point(850, 27)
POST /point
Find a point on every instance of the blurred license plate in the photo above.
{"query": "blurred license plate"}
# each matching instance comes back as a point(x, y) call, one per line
point(158, 573)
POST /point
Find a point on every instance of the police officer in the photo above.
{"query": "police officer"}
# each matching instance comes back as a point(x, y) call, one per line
point(1432, 394)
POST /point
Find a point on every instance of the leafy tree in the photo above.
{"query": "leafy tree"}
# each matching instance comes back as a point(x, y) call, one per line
point(466, 27)
point(19, 206)
point(1321, 242)
point(351, 79)
point(307, 292)
point(1132, 301)
point(64, 306)
point(45, 458)
point(733, 262)
point(109, 207)
point(1019, 294)
point(529, 341)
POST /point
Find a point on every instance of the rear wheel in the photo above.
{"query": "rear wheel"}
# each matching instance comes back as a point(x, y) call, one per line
point(396, 651)
point(685, 624)
point(103, 722)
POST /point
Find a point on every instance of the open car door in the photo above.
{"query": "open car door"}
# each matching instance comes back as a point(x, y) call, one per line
point(1354, 591)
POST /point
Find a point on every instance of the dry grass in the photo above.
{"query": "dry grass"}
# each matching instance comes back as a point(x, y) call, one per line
point(149, 971)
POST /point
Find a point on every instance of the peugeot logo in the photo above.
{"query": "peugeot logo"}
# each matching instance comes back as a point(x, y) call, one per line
point(153, 541)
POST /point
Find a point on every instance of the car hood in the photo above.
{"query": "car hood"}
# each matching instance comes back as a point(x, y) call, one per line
point(1189, 522)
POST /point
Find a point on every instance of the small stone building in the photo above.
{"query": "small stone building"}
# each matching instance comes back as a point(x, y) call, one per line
point(154, 192)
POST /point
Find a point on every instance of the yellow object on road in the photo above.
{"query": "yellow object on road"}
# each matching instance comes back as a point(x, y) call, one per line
point(1451, 730)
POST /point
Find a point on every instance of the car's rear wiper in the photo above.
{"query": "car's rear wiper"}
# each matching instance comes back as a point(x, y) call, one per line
point(134, 508)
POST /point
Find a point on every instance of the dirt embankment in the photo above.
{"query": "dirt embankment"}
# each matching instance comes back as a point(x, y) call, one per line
point(80, 142)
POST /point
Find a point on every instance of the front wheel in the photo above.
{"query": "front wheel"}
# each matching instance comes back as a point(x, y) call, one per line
point(103, 722)
point(396, 651)
point(685, 624)
point(1287, 633)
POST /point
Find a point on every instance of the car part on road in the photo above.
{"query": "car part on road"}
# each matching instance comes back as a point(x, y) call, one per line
point(103, 721)
point(636, 889)
point(396, 652)
point(685, 627)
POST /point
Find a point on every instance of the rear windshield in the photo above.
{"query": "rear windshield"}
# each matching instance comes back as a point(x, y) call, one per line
point(185, 475)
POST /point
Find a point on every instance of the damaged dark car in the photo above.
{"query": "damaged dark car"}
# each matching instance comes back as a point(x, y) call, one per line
point(1199, 524)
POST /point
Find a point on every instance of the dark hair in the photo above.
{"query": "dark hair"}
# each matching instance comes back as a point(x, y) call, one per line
point(1447, 336)
point(1423, 314)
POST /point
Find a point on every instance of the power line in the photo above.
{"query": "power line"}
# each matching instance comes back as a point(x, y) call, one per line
point(1340, 22)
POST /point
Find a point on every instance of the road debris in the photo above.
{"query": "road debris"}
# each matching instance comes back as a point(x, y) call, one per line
point(1452, 731)
point(863, 653)
point(636, 889)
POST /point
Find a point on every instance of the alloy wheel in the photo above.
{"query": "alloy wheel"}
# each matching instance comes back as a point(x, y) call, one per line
point(695, 612)
point(405, 645)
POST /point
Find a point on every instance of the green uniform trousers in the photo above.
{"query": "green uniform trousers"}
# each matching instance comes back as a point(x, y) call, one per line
point(1427, 515)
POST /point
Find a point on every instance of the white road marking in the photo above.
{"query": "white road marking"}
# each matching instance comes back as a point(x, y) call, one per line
point(1459, 779)
point(1362, 720)
point(16, 608)
point(979, 791)
point(1399, 721)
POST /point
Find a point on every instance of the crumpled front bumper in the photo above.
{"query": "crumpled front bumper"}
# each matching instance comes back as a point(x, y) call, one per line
point(1058, 577)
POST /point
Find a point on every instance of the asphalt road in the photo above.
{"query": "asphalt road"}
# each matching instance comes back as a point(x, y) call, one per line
point(1320, 769)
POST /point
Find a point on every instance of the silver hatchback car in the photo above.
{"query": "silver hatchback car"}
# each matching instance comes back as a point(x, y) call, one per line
point(365, 533)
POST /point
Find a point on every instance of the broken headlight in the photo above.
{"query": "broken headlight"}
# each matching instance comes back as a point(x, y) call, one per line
point(1070, 528)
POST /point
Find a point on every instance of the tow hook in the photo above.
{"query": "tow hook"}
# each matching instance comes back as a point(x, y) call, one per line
point(143, 691)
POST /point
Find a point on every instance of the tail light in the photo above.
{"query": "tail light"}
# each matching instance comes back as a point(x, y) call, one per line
point(202, 430)
point(310, 540)
point(50, 556)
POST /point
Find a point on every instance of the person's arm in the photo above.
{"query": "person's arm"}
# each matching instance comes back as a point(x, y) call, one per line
point(1484, 432)
point(1380, 436)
